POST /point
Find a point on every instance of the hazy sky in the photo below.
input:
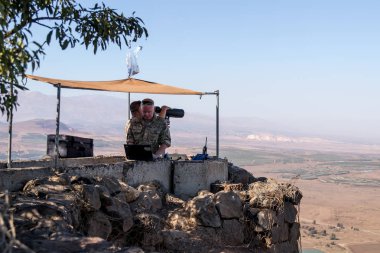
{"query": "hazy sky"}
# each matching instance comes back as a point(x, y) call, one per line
point(308, 64)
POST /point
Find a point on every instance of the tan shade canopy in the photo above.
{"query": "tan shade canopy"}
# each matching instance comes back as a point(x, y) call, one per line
point(125, 85)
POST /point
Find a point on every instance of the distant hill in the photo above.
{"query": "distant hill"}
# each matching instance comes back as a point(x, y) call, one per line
point(103, 118)
point(107, 115)
point(101, 113)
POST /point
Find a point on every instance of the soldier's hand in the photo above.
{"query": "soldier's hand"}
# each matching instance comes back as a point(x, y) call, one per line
point(165, 108)
point(162, 114)
point(156, 156)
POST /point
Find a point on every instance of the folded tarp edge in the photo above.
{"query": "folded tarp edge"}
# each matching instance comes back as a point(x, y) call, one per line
point(124, 85)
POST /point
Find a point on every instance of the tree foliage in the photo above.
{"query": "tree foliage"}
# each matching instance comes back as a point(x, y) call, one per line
point(66, 21)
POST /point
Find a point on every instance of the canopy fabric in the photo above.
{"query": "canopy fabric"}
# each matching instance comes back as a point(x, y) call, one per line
point(130, 85)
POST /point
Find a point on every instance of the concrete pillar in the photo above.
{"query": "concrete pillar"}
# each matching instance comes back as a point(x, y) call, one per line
point(138, 172)
point(190, 177)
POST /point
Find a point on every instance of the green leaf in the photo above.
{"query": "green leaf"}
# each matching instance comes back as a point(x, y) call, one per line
point(48, 37)
point(65, 44)
point(57, 33)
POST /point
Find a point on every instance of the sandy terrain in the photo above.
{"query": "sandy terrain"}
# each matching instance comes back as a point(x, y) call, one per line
point(369, 248)
point(324, 205)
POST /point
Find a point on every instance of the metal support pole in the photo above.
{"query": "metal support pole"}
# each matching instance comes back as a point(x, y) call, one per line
point(10, 133)
point(217, 123)
point(57, 126)
point(217, 93)
point(129, 105)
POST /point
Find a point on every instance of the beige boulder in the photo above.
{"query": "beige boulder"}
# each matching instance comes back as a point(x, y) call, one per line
point(204, 210)
point(266, 219)
point(131, 194)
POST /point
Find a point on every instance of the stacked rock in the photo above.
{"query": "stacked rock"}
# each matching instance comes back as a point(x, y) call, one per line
point(89, 214)
point(272, 216)
point(261, 218)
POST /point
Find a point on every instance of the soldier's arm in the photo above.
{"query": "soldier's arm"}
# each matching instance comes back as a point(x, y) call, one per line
point(161, 150)
point(165, 138)
point(130, 137)
point(164, 141)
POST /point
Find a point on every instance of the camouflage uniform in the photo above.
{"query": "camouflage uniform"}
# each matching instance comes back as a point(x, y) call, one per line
point(154, 132)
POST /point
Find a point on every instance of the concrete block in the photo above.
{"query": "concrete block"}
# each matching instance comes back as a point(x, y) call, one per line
point(138, 172)
point(27, 163)
point(14, 179)
point(64, 162)
point(96, 170)
point(190, 177)
point(74, 162)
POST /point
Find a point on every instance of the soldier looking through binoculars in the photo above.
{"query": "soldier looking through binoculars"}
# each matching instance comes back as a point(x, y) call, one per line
point(147, 128)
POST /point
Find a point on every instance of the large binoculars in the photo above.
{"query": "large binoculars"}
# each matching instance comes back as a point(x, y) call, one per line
point(172, 112)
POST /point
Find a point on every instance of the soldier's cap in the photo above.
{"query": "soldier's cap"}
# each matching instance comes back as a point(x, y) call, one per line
point(147, 101)
point(135, 105)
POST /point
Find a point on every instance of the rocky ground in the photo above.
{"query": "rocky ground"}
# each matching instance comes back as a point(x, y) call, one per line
point(85, 214)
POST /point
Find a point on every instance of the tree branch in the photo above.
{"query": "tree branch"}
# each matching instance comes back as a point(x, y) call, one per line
point(38, 23)
point(25, 23)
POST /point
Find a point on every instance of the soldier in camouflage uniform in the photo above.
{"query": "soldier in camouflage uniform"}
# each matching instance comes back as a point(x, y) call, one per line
point(149, 130)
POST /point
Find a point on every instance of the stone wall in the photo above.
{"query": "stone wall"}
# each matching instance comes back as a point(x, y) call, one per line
point(259, 217)
point(133, 207)
point(189, 176)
